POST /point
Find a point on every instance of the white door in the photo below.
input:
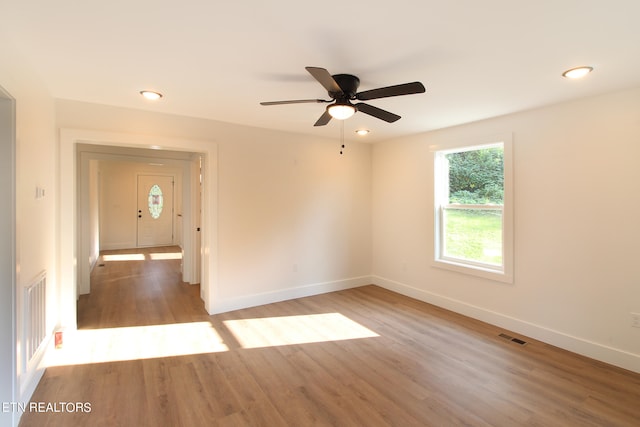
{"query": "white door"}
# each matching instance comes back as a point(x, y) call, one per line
point(155, 210)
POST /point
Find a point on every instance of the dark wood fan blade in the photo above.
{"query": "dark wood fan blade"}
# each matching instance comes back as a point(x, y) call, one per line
point(295, 101)
point(397, 90)
point(378, 113)
point(325, 79)
point(324, 119)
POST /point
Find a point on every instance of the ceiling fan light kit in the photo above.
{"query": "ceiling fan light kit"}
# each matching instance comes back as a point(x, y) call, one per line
point(343, 88)
point(341, 111)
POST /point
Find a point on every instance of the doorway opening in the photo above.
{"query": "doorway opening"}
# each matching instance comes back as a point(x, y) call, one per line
point(81, 153)
point(134, 199)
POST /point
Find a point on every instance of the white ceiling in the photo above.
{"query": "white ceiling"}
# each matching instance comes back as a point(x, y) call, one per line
point(218, 60)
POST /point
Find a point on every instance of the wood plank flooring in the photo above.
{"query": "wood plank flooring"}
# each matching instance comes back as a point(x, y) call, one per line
point(360, 357)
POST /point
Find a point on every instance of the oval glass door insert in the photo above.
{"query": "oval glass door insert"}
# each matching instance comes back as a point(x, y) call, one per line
point(156, 201)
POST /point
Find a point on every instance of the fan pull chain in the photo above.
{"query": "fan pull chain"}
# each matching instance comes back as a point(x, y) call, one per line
point(341, 136)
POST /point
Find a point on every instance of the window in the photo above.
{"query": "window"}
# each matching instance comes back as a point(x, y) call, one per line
point(156, 201)
point(473, 220)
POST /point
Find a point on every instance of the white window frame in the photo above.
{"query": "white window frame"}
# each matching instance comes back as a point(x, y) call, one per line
point(501, 273)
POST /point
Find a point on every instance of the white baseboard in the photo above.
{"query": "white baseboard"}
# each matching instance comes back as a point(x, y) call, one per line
point(29, 380)
point(31, 383)
point(613, 356)
point(230, 304)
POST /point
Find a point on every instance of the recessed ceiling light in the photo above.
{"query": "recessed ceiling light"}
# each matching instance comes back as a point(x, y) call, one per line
point(577, 73)
point(151, 95)
point(362, 132)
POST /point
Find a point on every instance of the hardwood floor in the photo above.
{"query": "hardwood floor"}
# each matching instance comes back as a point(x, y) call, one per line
point(360, 357)
point(130, 292)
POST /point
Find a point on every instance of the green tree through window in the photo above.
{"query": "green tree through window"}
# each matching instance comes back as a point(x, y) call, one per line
point(470, 202)
point(477, 176)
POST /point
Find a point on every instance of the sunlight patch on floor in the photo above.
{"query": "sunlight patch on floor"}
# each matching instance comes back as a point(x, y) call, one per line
point(154, 256)
point(165, 255)
point(135, 342)
point(123, 257)
point(288, 330)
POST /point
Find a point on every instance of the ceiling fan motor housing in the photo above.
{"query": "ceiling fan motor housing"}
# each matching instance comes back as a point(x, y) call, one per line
point(349, 85)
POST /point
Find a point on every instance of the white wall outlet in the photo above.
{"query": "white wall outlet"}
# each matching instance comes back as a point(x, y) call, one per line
point(635, 320)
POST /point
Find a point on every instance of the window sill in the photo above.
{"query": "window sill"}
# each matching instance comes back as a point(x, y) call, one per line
point(472, 270)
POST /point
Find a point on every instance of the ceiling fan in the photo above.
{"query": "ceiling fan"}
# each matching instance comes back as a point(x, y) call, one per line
point(343, 88)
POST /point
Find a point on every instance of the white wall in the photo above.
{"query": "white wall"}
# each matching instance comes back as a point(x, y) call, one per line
point(576, 226)
point(292, 214)
point(284, 202)
point(36, 219)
